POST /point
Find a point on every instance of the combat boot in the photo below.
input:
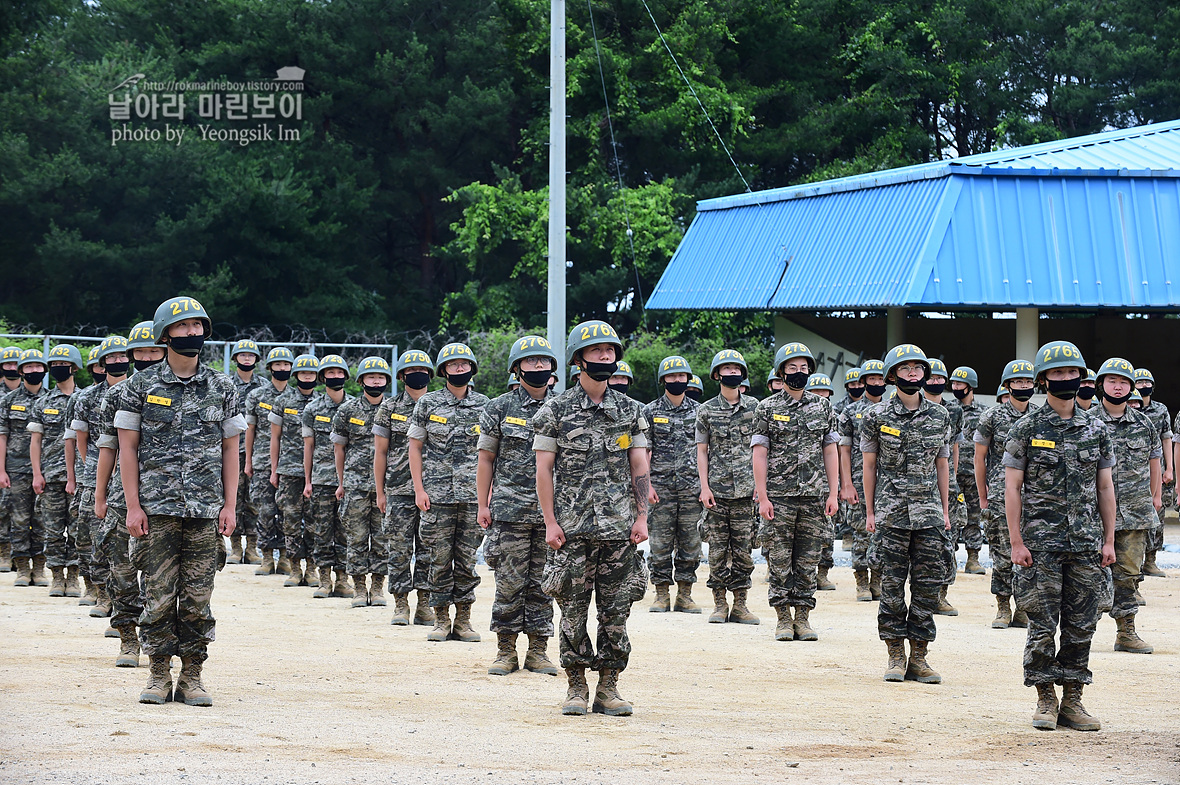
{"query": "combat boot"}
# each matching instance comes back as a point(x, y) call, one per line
point(102, 606)
point(377, 590)
point(294, 573)
point(740, 614)
point(875, 584)
point(38, 576)
point(821, 581)
point(267, 565)
point(324, 590)
point(897, 662)
point(401, 611)
point(663, 602)
point(462, 629)
point(159, 686)
point(1045, 715)
point(5, 557)
point(1129, 640)
point(1139, 600)
point(110, 632)
point(423, 613)
point(283, 565)
point(606, 696)
point(128, 648)
point(342, 587)
point(24, 571)
point(973, 567)
point(578, 693)
point(684, 601)
point(250, 555)
point(536, 659)
point(1019, 617)
point(90, 595)
point(442, 624)
point(863, 594)
point(311, 576)
point(944, 606)
point(720, 608)
point(1003, 618)
point(1073, 714)
point(361, 592)
point(72, 587)
point(918, 669)
point(1151, 568)
point(802, 625)
point(58, 587)
point(785, 631)
point(235, 555)
point(506, 660)
point(188, 685)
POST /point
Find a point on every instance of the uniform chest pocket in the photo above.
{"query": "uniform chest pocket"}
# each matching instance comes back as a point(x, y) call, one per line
point(516, 431)
point(1043, 461)
point(890, 447)
point(439, 429)
point(212, 410)
point(815, 423)
point(321, 424)
point(1137, 443)
point(661, 427)
point(158, 413)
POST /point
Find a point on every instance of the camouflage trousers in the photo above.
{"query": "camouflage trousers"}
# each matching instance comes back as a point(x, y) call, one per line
point(972, 534)
point(674, 538)
point(919, 556)
point(364, 532)
point(1155, 535)
point(602, 568)
point(113, 539)
point(79, 533)
point(1168, 491)
point(827, 556)
point(55, 514)
point(1126, 572)
point(178, 559)
point(452, 536)
point(91, 560)
point(730, 528)
point(958, 508)
point(28, 533)
point(795, 538)
point(516, 551)
point(1000, 546)
point(855, 516)
point(247, 520)
point(409, 558)
point(5, 515)
point(294, 513)
point(1066, 589)
point(262, 496)
point(327, 535)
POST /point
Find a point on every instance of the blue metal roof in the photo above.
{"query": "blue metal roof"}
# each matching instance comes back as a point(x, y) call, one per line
point(1091, 221)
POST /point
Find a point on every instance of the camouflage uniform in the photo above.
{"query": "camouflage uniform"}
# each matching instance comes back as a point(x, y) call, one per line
point(992, 432)
point(448, 428)
point(515, 547)
point(48, 418)
point(673, 521)
point(86, 407)
point(595, 508)
point(181, 426)
point(79, 533)
point(1061, 528)
point(955, 496)
point(730, 525)
point(972, 535)
point(409, 559)
point(111, 537)
point(28, 532)
point(260, 403)
point(360, 518)
point(328, 543)
point(907, 506)
point(247, 525)
point(293, 507)
point(849, 428)
point(1162, 420)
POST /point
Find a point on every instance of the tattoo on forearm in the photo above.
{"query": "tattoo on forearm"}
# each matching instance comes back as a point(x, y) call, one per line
point(641, 484)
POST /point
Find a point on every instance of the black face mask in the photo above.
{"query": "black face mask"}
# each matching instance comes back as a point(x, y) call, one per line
point(335, 383)
point(1146, 390)
point(1086, 393)
point(620, 387)
point(61, 372)
point(875, 390)
point(676, 388)
point(118, 369)
point(731, 380)
point(280, 376)
point(935, 389)
point(961, 394)
point(694, 393)
point(536, 378)
point(1065, 389)
point(1116, 400)
point(909, 388)
point(459, 379)
point(34, 378)
point(855, 392)
point(600, 372)
point(143, 365)
point(11, 373)
point(797, 380)
point(1021, 395)
point(187, 345)
point(98, 376)
point(375, 391)
point(305, 386)
point(247, 367)
point(416, 380)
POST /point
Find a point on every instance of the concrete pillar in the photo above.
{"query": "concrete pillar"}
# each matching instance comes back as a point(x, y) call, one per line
point(894, 328)
point(1027, 333)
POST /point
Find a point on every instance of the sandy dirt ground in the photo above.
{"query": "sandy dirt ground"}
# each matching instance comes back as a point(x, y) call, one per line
point(312, 691)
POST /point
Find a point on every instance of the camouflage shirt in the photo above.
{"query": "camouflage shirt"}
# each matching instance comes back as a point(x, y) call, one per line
point(316, 422)
point(16, 409)
point(1159, 416)
point(260, 402)
point(244, 389)
point(955, 410)
point(727, 429)
point(592, 493)
point(108, 436)
point(84, 419)
point(907, 444)
point(971, 415)
point(794, 434)
point(1060, 460)
point(992, 432)
point(48, 418)
point(352, 426)
point(288, 415)
point(392, 422)
point(672, 439)
point(848, 427)
point(449, 431)
point(1134, 437)
point(70, 433)
point(181, 427)
point(506, 431)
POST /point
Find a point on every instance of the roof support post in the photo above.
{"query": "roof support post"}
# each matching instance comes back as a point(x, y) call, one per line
point(894, 327)
point(1027, 333)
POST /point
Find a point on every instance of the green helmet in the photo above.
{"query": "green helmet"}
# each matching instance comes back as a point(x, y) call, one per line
point(694, 383)
point(575, 372)
point(1057, 354)
point(279, 354)
point(142, 336)
point(246, 346)
point(870, 367)
point(414, 358)
point(67, 352)
point(672, 364)
point(455, 351)
point(112, 344)
point(10, 354)
point(530, 346)
point(331, 361)
point(1143, 375)
point(789, 351)
point(770, 377)
point(1136, 396)
point(1090, 376)
point(306, 362)
point(1001, 391)
point(92, 355)
point(1017, 369)
point(819, 381)
point(176, 310)
point(624, 369)
point(852, 375)
point(967, 375)
point(1116, 366)
point(374, 364)
point(30, 356)
point(903, 353)
point(727, 356)
point(588, 334)
point(513, 380)
point(938, 368)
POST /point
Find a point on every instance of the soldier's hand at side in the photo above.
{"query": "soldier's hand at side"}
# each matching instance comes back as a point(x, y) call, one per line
point(1168, 475)
point(947, 518)
point(1021, 555)
point(707, 499)
point(652, 496)
point(71, 487)
point(137, 522)
point(307, 490)
point(831, 506)
point(381, 500)
point(870, 522)
point(1107, 554)
point(639, 530)
point(1157, 502)
point(38, 484)
point(4, 481)
point(422, 501)
point(100, 507)
point(849, 494)
point(983, 498)
point(484, 516)
point(554, 536)
point(248, 470)
point(766, 509)
point(274, 479)
point(339, 492)
point(227, 521)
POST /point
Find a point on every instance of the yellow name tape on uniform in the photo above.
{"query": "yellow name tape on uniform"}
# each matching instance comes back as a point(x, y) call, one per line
point(355, 421)
point(624, 441)
point(266, 406)
point(1044, 443)
point(160, 400)
point(516, 420)
point(783, 417)
point(437, 418)
point(321, 418)
point(290, 411)
point(398, 417)
point(17, 408)
point(664, 420)
point(890, 431)
point(53, 411)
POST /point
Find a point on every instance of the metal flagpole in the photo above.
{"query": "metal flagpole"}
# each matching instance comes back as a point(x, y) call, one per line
point(556, 321)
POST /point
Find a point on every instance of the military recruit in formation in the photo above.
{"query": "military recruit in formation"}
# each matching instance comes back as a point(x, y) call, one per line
point(128, 489)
